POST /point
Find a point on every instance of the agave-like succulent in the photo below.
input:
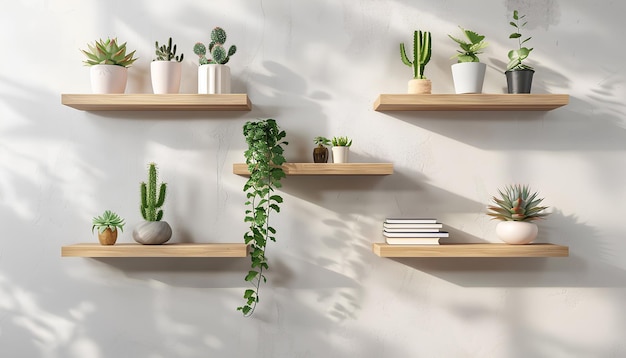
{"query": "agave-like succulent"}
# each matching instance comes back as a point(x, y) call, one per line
point(107, 52)
point(108, 220)
point(517, 203)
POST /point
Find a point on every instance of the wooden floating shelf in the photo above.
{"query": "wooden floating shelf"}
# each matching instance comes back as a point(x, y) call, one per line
point(470, 102)
point(165, 250)
point(471, 250)
point(158, 102)
point(326, 169)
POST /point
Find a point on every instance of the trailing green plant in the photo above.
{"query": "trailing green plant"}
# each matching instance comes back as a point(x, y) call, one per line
point(421, 53)
point(218, 52)
point(517, 203)
point(108, 220)
point(469, 50)
point(264, 157)
point(321, 141)
point(341, 141)
point(108, 52)
point(167, 53)
point(151, 203)
point(516, 57)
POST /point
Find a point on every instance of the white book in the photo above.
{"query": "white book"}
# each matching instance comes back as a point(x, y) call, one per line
point(413, 226)
point(410, 221)
point(387, 229)
point(412, 241)
point(416, 234)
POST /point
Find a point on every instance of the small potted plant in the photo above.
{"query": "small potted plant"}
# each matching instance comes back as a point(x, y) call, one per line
point(152, 231)
point(213, 74)
point(320, 153)
point(517, 207)
point(519, 76)
point(166, 69)
point(107, 225)
point(109, 65)
point(421, 55)
point(469, 73)
point(341, 149)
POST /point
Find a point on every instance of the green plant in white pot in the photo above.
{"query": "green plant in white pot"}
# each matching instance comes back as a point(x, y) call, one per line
point(109, 65)
point(166, 69)
point(152, 231)
point(519, 76)
point(341, 149)
point(469, 73)
point(213, 73)
point(421, 56)
point(517, 207)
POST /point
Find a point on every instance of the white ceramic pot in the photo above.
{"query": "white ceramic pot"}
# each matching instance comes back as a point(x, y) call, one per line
point(152, 232)
point(213, 79)
point(468, 77)
point(108, 79)
point(516, 232)
point(340, 154)
point(420, 86)
point(165, 76)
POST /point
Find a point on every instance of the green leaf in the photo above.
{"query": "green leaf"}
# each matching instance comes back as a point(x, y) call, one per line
point(251, 275)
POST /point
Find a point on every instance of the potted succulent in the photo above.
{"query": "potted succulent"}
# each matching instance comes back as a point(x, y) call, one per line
point(213, 74)
point(109, 65)
point(166, 69)
point(421, 55)
point(341, 149)
point(517, 207)
point(519, 76)
point(107, 225)
point(152, 231)
point(469, 73)
point(320, 153)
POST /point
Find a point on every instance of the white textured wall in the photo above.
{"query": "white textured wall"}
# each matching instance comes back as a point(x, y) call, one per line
point(316, 67)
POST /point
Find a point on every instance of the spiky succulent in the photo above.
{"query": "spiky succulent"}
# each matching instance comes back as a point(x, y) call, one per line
point(151, 203)
point(107, 52)
point(167, 53)
point(218, 53)
point(108, 220)
point(516, 203)
point(341, 141)
point(469, 50)
point(421, 53)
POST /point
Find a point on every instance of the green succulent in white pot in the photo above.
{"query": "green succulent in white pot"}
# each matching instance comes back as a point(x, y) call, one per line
point(109, 63)
point(517, 207)
point(341, 149)
point(469, 73)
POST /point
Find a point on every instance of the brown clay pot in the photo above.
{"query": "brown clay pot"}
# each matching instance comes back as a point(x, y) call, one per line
point(107, 237)
point(320, 154)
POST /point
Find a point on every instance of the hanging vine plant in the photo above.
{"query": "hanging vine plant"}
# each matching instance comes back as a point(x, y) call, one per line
point(264, 158)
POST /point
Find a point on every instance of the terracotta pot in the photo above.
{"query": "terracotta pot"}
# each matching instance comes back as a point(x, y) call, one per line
point(320, 155)
point(419, 86)
point(516, 232)
point(107, 237)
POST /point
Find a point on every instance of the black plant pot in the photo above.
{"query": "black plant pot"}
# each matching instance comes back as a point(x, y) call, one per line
point(519, 81)
point(320, 154)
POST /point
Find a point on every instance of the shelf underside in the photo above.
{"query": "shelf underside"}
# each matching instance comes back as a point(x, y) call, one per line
point(471, 250)
point(470, 102)
point(326, 169)
point(158, 102)
point(165, 250)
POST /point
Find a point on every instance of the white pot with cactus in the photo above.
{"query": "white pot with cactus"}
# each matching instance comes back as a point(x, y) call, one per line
point(421, 56)
point(469, 73)
point(109, 66)
point(341, 149)
point(166, 69)
point(152, 231)
point(107, 225)
point(213, 73)
point(517, 207)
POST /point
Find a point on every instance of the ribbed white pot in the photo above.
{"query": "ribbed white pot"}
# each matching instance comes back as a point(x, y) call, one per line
point(152, 232)
point(340, 154)
point(108, 79)
point(213, 79)
point(516, 232)
point(468, 77)
point(419, 86)
point(165, 76)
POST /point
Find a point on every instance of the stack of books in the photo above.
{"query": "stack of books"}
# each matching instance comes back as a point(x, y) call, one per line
point(413, 231)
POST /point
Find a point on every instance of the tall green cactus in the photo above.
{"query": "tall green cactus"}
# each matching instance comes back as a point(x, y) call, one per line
point(421, 53)
point(150, 203)
point(218, 53)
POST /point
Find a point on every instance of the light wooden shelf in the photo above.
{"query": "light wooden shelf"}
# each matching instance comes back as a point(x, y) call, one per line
point(471, 250)
point(326, 169)
point(165, 250)
point(470, 102)
point(158, 102)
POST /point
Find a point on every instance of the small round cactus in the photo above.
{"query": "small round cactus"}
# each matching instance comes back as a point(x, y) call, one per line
point(218, 53)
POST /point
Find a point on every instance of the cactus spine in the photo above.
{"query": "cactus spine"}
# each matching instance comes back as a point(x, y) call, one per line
point(219, 55)
point(150, 203)
point(167, 53)
point(421, 53)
